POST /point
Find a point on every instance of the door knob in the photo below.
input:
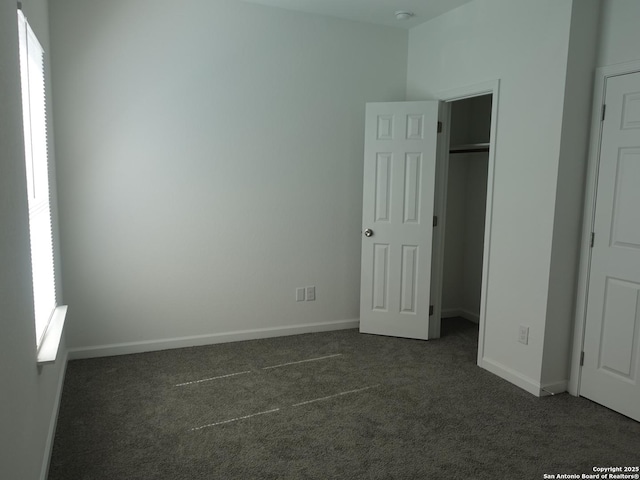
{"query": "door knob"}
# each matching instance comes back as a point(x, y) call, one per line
point(368, 232)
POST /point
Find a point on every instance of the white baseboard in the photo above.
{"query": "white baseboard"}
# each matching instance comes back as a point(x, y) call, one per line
point(512, 376)
point(199, 340)
point(554, 388)
point(460, 312)
point(48, 448)
point(450, 313)
point(524, 382)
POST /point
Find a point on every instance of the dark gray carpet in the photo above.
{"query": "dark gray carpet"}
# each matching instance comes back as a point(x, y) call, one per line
point(430, 413)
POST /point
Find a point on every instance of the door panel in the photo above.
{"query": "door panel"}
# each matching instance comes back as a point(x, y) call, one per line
point(383, 186)
point(612, 333)
point(398, 196)
point(380, 277)
point(625, 231)
point(620, 320)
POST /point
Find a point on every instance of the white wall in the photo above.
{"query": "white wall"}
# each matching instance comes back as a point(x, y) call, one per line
point(210, 162)
point(29, 394)
point(525, 45)
point(475, 210)
point(466, 207)
point(471, 120)
point(619, 34)
point(453, 264)
point(464, 237)
point(570, 193)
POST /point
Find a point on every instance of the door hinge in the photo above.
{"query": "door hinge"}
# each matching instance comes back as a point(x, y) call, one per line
point(430, 310)
point(604, 110)
point(593, 236)
point(439, 127)
point(581, 359)
point(435, 221)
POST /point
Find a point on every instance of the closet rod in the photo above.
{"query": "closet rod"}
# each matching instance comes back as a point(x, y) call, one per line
point(470, 150)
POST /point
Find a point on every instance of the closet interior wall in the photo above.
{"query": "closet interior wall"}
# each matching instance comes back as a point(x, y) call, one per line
point(466, 205)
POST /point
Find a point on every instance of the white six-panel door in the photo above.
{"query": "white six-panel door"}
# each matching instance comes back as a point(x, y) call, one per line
point(397, 218)
point(611, 371)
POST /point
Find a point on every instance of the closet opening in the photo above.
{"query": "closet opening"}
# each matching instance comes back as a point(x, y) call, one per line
point(464, 212)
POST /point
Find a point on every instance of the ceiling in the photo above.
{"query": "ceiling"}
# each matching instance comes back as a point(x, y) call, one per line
point(380, 12)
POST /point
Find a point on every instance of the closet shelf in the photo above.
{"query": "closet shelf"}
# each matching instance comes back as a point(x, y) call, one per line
point(469, 148)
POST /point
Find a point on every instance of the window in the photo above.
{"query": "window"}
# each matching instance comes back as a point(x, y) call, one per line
point(37, 169)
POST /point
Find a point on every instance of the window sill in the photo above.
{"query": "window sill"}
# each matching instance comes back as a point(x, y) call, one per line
point(50, 345)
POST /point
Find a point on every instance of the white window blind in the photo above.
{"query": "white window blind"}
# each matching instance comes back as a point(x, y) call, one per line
point(37, 168)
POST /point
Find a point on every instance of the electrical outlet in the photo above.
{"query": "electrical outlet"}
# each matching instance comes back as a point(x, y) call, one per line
point(523, 335)
point(311, 294)
point(300, 294)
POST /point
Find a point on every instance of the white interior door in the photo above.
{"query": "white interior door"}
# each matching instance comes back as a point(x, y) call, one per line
point(397, 218)
point(610, 375)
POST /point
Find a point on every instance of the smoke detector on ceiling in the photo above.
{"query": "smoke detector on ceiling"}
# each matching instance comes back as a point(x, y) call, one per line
point(404, 15)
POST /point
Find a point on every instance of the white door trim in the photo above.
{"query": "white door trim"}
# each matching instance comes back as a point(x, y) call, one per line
point(493, 88)
point(601, 76)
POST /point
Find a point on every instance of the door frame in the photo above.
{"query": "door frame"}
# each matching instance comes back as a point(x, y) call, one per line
point(442, 167)
point(593, 162)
